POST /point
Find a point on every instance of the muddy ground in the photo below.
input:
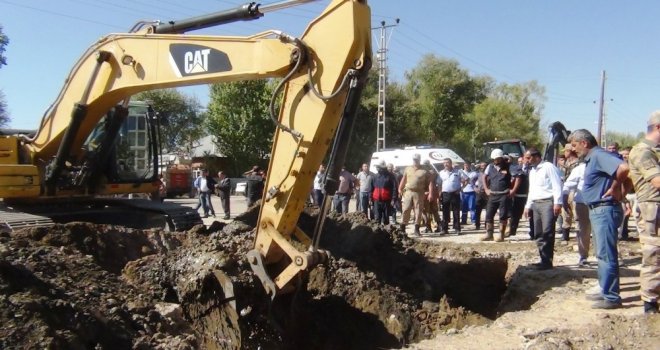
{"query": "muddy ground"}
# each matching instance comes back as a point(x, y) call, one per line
point(82, 286)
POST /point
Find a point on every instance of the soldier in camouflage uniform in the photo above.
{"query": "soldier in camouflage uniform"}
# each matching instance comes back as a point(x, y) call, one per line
point(645, 174)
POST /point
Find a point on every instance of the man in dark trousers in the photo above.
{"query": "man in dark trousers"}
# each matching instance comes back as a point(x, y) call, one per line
point(497, 184)
point(224, 191)
point(544, 200)
point(383, 189)
point(255, 185)
point(606, 183)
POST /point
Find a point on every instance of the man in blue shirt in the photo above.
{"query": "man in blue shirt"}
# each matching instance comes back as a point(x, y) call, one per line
point(605, 184)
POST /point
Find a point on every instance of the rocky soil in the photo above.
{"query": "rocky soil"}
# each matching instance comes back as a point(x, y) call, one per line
point(83, 286)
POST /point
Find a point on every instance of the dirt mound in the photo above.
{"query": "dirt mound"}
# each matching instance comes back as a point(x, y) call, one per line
point(80, 286)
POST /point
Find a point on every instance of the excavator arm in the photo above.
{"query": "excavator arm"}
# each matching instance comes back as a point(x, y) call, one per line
point(323, 73)
point(557, 136)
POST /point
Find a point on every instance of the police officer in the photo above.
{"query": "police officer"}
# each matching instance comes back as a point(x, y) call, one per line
point(645, 174)
point(414, 186)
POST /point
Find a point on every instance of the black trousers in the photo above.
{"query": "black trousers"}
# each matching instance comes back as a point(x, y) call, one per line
point(451, 202)
point(382, 212)
point(482, 202)
point(495, 202)
point(517, 211)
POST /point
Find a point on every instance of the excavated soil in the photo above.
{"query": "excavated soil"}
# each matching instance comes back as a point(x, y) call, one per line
point(83, 286)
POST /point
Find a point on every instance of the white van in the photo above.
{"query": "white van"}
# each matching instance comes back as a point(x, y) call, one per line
point(402, 158)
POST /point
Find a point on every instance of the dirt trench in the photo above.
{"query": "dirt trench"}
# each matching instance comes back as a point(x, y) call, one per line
point(79, 286)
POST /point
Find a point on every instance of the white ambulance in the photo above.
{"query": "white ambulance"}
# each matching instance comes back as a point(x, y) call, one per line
point(402, 158)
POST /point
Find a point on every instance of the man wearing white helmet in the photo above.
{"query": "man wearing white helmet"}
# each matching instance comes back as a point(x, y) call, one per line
point(497, 183)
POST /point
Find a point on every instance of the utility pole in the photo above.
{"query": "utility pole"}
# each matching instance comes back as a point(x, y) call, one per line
point(601, 109)
point(381, 56)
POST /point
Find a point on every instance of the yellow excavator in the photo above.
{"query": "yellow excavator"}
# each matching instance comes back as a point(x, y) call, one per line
point(93, 144)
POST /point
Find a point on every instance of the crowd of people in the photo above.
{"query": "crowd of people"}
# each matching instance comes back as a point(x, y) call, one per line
point(594, 189)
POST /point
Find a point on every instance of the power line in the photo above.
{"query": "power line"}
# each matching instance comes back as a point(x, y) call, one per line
point(60, 14)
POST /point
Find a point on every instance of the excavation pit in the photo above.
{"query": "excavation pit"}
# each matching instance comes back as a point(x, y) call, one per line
point(169, 290)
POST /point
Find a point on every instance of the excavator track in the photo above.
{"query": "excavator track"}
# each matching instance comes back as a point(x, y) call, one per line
point(11, 219)
point(134, 213)
point(179, 218)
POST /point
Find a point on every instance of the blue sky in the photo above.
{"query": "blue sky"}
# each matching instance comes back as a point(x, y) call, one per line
point(562, 44)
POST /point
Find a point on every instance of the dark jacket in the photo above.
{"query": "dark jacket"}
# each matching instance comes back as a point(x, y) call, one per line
point(384, 186)
point(254, 187)
point(223, 187)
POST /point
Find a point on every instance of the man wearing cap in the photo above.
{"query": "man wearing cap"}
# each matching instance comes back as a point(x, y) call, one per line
point(383, 189)
point(497, 183)
point(605, 184)
point(645, 174)
point(414, 184)
point(567, 213)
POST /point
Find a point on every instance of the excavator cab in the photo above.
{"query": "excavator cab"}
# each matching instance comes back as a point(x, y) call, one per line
point(513, 147)
point(133, 146)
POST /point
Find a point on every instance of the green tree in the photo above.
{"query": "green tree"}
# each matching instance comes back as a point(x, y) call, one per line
point(4, 41)
point(509, 111)
point(181, 119)
point(444, 93)
point(622, 138)
point(238, 116)
point(400, 123)
point(4, 113)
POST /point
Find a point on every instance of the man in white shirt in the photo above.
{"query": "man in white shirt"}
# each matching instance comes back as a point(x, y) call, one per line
point(574, 183)
point(451, 180)
point(544, 201)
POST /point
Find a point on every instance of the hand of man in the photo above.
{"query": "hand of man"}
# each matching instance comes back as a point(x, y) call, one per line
point(556, 209)
point(526, 213)
point(614, 192)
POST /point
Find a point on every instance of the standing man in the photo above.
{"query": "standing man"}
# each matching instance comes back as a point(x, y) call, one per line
point(318, 185)
point(482, 197)
point(575, 184)
point(469, 200)
point(224, 192)
point(396, 201)
point(414, 183)
point(520, 174)
point(544, 200)
point(344, 191)
point(497, 184)
point(451, 180)
point(605, 183)
point(629, 202)
point(645, 174)
point(383, 189)
point(431, 210)
point(205, 185)
point(365, 178)
point(567, 211)
point(255, 185)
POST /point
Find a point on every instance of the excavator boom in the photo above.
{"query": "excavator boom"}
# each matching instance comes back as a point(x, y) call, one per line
point(323, 73)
